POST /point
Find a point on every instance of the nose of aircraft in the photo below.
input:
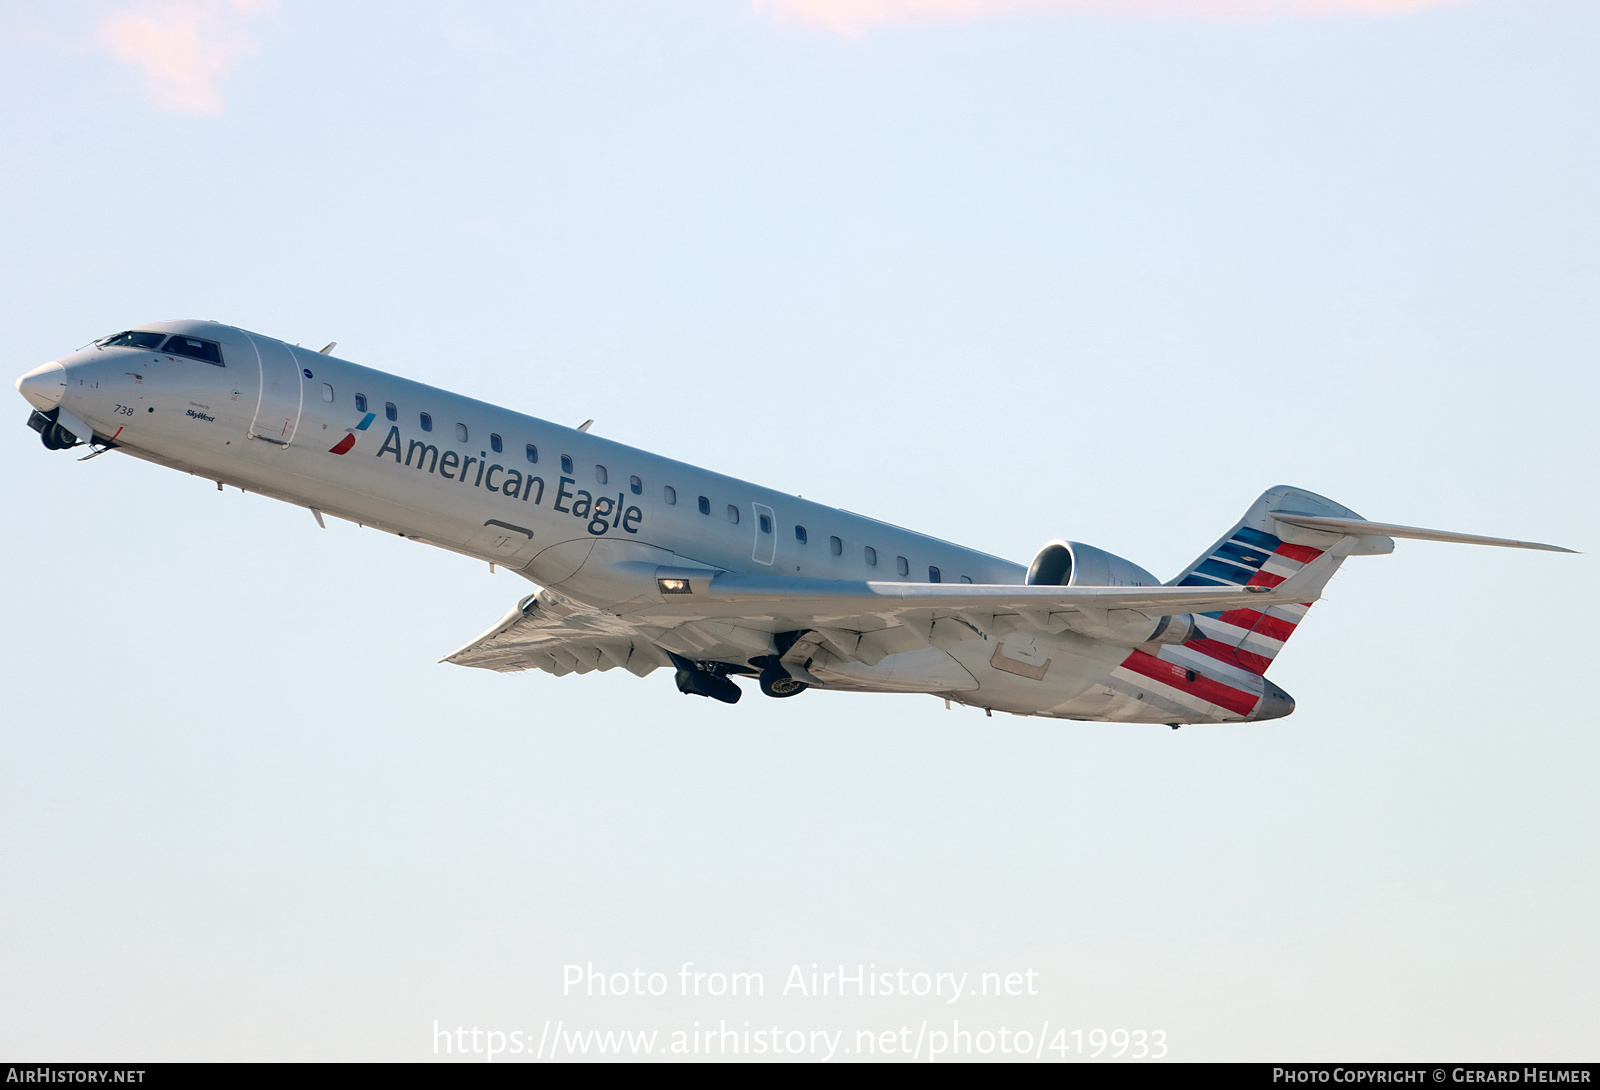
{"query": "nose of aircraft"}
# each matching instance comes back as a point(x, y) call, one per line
point(43, 386)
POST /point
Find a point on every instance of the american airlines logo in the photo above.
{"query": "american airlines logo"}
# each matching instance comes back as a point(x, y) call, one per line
point(344, 445)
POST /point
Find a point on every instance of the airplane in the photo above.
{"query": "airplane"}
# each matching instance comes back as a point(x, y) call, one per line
point(644, 563)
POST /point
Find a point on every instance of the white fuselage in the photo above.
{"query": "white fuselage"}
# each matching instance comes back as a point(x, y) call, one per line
point(564, 508)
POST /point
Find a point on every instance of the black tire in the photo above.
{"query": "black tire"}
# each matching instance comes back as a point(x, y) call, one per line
point(47, 436)
point(776, 682)
point(59, 438)
point(703, 683)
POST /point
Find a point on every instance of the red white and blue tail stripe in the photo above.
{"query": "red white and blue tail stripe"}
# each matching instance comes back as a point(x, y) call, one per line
point(1218, 674)
point(1248, 638)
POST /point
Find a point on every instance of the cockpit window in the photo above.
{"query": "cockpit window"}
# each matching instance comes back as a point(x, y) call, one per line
point(134, 338)
point(194, 348)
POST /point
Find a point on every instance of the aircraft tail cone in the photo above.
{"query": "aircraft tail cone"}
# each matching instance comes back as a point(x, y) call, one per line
point(1275, 703)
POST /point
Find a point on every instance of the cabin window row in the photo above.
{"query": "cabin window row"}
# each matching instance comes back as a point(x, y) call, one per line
point(496, 443)
point(870, 555)
point(636, 486)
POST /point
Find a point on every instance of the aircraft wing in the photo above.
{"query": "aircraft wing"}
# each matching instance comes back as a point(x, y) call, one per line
point(722, 616)
point(550, 637)
point(730, 594)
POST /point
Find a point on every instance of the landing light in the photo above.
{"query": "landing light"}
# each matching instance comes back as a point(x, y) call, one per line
point(673, 586)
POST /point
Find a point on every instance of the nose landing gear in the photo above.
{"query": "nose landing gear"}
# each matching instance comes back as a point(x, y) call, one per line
point(52, 434)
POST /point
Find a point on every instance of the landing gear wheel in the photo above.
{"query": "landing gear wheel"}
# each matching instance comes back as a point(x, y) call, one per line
point(776, 682)
point(694, 682)
point(55, 437)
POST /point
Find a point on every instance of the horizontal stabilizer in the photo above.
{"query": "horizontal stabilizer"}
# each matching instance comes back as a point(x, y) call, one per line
point(1363, 528)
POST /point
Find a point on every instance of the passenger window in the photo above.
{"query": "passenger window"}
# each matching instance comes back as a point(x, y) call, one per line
point(669, 494)
point(933, 574)
point(705, 506)
point(835, 546)
point(461, 432)
point(966, 578)
point(533, 453)
point(635, 485)
point(327, 393)
point(566, 463)
point(495, 444)
point(390, 411)
point(902, 565)
point(733, 514)
point(766, 524)
point(872, 557)
point(361, 403)
point(800, 534)
point(195, 349)
point(600, 474)
point(427, 422)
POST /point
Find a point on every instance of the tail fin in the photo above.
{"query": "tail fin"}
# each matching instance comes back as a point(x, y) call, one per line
point(1262, 551)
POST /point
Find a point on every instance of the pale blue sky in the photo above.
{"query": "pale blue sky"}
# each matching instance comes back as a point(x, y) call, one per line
point(1002, 279)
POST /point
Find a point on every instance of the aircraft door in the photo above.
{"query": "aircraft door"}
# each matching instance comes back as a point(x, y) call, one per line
point(766, 534)
point(277, 415)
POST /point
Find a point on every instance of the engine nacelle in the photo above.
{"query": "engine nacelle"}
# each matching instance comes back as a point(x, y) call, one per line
point(1074, 564)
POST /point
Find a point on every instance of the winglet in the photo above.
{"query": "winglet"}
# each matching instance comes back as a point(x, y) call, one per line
point(1363, 528)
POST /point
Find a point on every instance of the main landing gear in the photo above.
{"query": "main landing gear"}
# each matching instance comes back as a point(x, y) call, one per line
point(695, 679)
point(711, 679)
point(775, 681)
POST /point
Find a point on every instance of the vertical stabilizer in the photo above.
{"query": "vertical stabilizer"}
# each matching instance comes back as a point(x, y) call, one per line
point(1261, 551)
